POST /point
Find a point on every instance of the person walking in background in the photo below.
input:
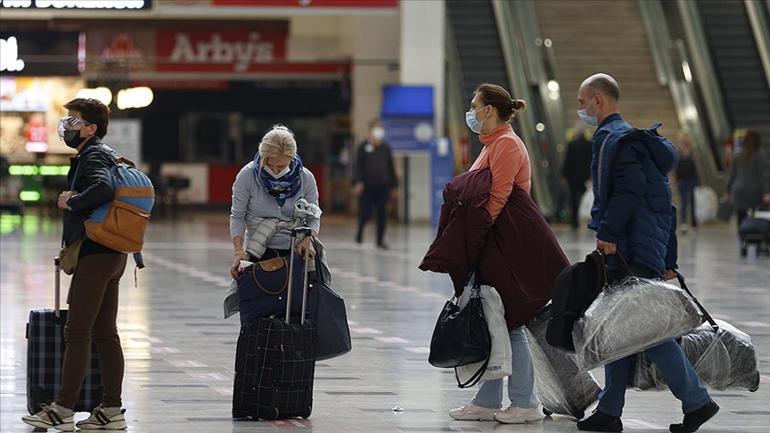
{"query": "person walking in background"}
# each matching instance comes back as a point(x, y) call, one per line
point(576, 171)
point(687, 179)
point(374, 181)
point(749, 181)
point(633, 216)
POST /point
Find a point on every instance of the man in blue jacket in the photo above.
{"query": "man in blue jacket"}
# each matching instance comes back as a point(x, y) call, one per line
point(633, 215)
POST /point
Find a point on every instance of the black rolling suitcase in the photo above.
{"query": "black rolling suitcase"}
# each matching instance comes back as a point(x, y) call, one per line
point(45, 355)
point(275, 361)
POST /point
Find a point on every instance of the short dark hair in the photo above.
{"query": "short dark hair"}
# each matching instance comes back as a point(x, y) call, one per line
point(500, 99)
point(92, 111)
point(604, 84)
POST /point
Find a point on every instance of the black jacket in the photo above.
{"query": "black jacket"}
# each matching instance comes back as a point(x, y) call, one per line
point(91, 171)
point(577, 162)
point(374, 166)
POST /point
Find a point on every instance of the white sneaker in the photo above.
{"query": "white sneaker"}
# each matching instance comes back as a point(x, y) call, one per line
point(520, 415)
point(471, 412)
point(50, 416)
point(100, 420)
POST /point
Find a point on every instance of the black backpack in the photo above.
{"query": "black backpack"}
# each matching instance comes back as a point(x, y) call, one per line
point(575, 288)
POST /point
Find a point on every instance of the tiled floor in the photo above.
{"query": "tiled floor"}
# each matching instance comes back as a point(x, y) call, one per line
point(180, 351)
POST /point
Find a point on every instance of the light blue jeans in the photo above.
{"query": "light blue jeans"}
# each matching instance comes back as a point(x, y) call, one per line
point(521, 383)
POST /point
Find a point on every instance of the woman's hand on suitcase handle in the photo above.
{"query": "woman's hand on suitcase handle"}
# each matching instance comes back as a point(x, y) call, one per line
point(237, 257)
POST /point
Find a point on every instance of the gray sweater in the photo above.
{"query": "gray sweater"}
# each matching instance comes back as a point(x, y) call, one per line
point(749, 180)
point(251, 201)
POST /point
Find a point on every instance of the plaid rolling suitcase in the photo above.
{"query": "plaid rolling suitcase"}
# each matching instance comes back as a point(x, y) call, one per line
point(275, 362)
point(45, 355)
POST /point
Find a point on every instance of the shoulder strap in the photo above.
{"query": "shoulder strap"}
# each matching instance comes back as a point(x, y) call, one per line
point(706, 314)
point(476, 378)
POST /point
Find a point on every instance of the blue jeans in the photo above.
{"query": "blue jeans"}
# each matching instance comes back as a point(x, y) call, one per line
point(680, 376)
point(521, 383)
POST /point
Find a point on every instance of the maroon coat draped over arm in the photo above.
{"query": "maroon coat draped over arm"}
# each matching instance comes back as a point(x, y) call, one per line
point(518, 254)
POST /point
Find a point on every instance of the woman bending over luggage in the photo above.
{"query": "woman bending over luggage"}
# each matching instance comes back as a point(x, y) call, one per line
point(272, 194)
point(520, 256)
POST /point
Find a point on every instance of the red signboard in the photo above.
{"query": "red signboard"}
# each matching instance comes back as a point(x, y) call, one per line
point(309, 3)
point(226, 51)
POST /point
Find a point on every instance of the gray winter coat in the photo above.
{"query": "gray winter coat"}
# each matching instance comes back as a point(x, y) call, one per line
point(749, 180)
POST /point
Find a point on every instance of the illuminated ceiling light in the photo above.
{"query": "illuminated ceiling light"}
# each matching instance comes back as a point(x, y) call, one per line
point(29, 196)
point(101, 94)
point(687, 72)
point(540, 127)
point(135, 97)
point(548, 43)
point(553, 86)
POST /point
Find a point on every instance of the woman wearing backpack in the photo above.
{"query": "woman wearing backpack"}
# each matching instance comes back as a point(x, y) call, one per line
point(93, 294)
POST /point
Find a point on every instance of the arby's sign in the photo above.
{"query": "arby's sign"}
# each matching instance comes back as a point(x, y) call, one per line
point(237, 51)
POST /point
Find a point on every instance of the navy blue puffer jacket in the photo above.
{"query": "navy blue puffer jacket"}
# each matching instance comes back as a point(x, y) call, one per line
point(632, 205)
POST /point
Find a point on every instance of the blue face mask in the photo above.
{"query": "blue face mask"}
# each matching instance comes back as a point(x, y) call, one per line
point(472, 122)
point(586, 118)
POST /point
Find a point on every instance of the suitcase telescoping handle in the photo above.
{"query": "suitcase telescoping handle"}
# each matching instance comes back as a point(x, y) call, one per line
point(57, 285)
point(294, 235)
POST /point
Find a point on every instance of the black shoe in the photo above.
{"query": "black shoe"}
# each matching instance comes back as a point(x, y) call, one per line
point(695, 419)
point(359, 239)
point(601, 422)
point(383, 246)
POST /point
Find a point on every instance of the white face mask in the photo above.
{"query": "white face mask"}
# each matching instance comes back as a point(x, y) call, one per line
point(378, 133)
point(279, 175)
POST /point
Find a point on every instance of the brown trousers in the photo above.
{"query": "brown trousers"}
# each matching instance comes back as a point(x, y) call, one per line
point(93, 310)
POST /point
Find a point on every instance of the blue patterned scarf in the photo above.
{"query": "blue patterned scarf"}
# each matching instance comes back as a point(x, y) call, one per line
point(284, 187)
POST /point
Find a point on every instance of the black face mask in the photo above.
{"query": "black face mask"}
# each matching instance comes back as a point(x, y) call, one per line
point(72, 138)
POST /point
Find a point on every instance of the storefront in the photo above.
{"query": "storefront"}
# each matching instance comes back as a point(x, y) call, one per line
point(216, 92)
point(39, 72)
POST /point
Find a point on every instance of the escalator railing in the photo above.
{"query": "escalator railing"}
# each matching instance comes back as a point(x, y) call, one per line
point(542, 124)
point(758, 17)
point(457, 131)
point(675, 69)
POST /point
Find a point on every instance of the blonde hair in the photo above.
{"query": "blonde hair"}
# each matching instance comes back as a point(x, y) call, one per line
point(279, 141)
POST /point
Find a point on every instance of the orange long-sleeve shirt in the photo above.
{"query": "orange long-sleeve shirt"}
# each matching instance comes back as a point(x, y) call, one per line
point(507, 157)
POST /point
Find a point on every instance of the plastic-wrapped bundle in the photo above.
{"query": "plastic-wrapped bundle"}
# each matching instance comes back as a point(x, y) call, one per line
point(629, 317)
point(561, 386)
point(723, 359)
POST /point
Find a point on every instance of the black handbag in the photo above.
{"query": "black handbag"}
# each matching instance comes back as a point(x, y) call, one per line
point(327, 311)
point(574, 290)
point(461, 337)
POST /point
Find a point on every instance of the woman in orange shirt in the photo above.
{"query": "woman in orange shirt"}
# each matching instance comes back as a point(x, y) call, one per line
point(492, 110)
